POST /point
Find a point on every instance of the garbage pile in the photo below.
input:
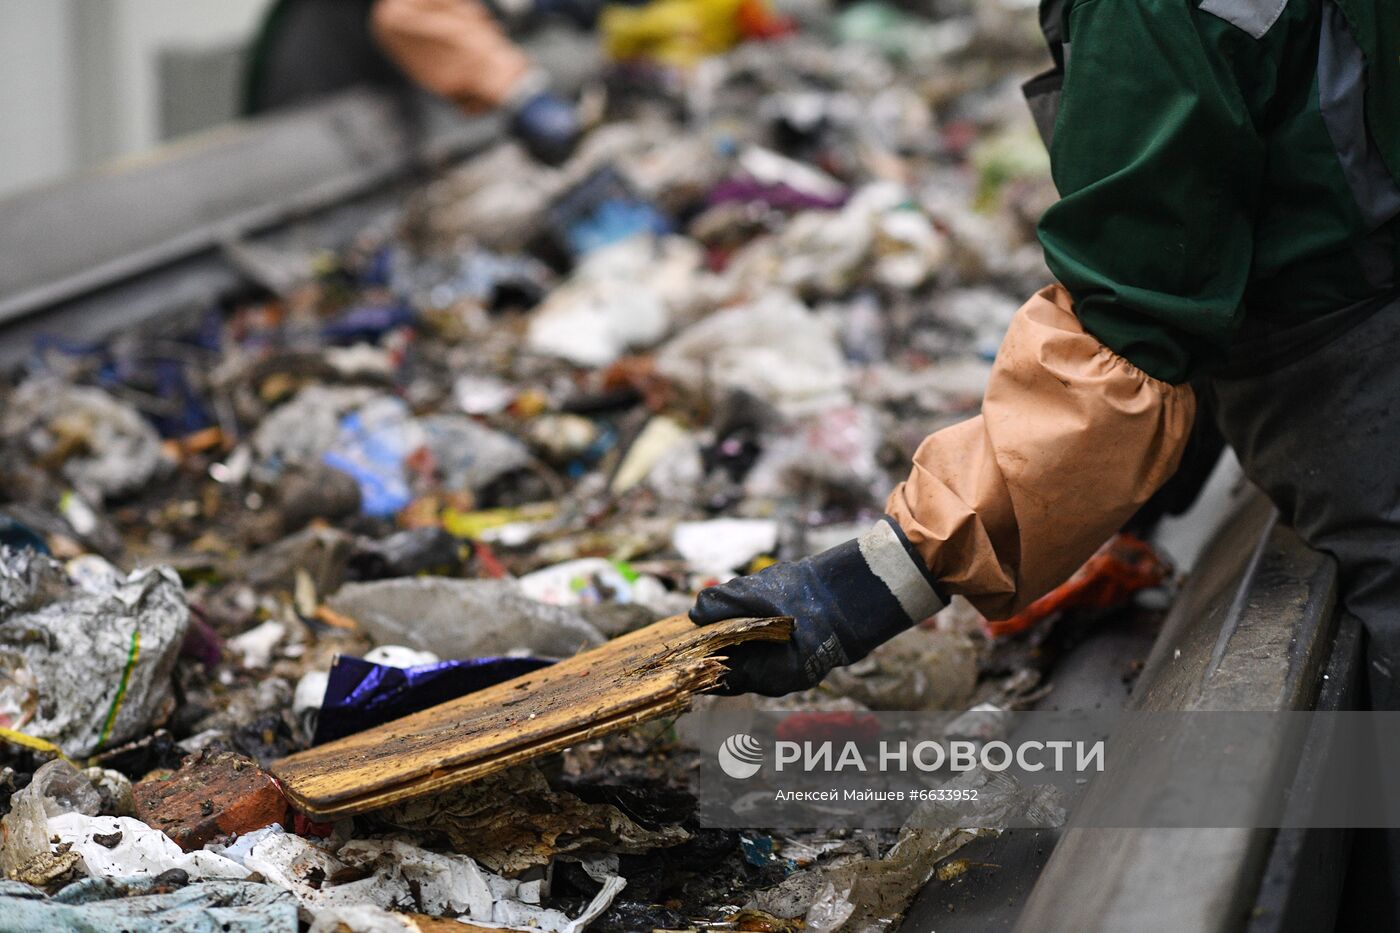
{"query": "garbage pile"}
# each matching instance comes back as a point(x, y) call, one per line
point(533, 411)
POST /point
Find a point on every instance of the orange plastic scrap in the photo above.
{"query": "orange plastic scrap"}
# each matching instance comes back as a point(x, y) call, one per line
point(201, 441)
point(758, 20)
point(639, 374)
point(1123, 566)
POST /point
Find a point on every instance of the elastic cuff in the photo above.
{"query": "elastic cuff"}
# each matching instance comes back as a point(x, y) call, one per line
point(893, 560)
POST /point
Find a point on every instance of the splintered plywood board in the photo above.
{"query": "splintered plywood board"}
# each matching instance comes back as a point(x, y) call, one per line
point(425, 924)
point(646, 674)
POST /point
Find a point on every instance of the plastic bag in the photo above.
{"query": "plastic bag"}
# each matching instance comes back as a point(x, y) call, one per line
point(114, 450)
point(464, 618)
point(99, 662)
point(145, 906)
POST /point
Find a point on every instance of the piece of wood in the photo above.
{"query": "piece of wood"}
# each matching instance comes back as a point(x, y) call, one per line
point(421, 923)
point(643, 675)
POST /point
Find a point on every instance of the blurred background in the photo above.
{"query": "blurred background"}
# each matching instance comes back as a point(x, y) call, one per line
point(84, 82)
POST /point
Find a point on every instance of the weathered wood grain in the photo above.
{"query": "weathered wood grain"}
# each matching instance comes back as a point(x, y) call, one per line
point(425, 924)
point(643, 675)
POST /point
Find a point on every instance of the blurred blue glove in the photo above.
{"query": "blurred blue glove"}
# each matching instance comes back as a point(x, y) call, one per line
point(547, 126)
point(582, 13)
point(845, 601)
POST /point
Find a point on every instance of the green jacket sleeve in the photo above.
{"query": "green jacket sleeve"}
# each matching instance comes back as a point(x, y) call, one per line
point(1158, 165)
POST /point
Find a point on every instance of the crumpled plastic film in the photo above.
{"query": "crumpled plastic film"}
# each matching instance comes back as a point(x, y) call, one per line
point(105, 446)
point(393, 873)
point(100, 662)
point(123, 847)
point(98, 905)
point(464, 618)
point(360, 694)
point(55, 789)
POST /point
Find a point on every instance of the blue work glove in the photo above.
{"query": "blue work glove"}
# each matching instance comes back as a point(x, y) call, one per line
point(547, 126)
point(845, 601)
point(581, 13)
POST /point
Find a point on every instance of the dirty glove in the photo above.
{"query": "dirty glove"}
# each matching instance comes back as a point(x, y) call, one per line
point(845, 602)
point(546, 126)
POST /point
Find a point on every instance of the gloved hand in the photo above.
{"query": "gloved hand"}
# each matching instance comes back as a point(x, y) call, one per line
point(845, 601)
point(547, 126)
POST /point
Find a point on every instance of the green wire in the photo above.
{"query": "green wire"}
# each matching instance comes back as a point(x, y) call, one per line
point(131, 656)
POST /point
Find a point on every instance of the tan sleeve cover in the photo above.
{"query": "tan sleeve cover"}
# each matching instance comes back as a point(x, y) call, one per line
point(451, 47)
point(1072, 439)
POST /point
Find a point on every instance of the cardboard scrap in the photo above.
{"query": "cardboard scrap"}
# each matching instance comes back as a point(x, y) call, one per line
point(647, 674)
point(514, 821)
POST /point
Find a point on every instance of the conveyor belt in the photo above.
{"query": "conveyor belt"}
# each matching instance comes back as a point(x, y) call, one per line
point(143, 243)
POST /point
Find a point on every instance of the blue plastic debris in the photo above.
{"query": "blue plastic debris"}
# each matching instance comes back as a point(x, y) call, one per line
point(371, 447)
point(184, 412)
point(758, 851)
point(379, 269)
point(367, 323)
point(17, 535)
point(602, 210)
point(596, 451)
point(362, 694)
point(163, 374)
point(612, 222)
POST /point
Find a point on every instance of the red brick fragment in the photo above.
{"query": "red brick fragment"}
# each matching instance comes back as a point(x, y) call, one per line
point(213, 794)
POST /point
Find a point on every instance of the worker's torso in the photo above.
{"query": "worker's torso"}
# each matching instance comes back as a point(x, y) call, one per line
point(1321, 82)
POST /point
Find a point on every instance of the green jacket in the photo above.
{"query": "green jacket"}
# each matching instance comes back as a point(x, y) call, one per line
point(1227, 170)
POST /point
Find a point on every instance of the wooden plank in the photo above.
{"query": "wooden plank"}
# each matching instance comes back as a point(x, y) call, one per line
point(446, 780)
point(646, 674)
point(425, 924)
